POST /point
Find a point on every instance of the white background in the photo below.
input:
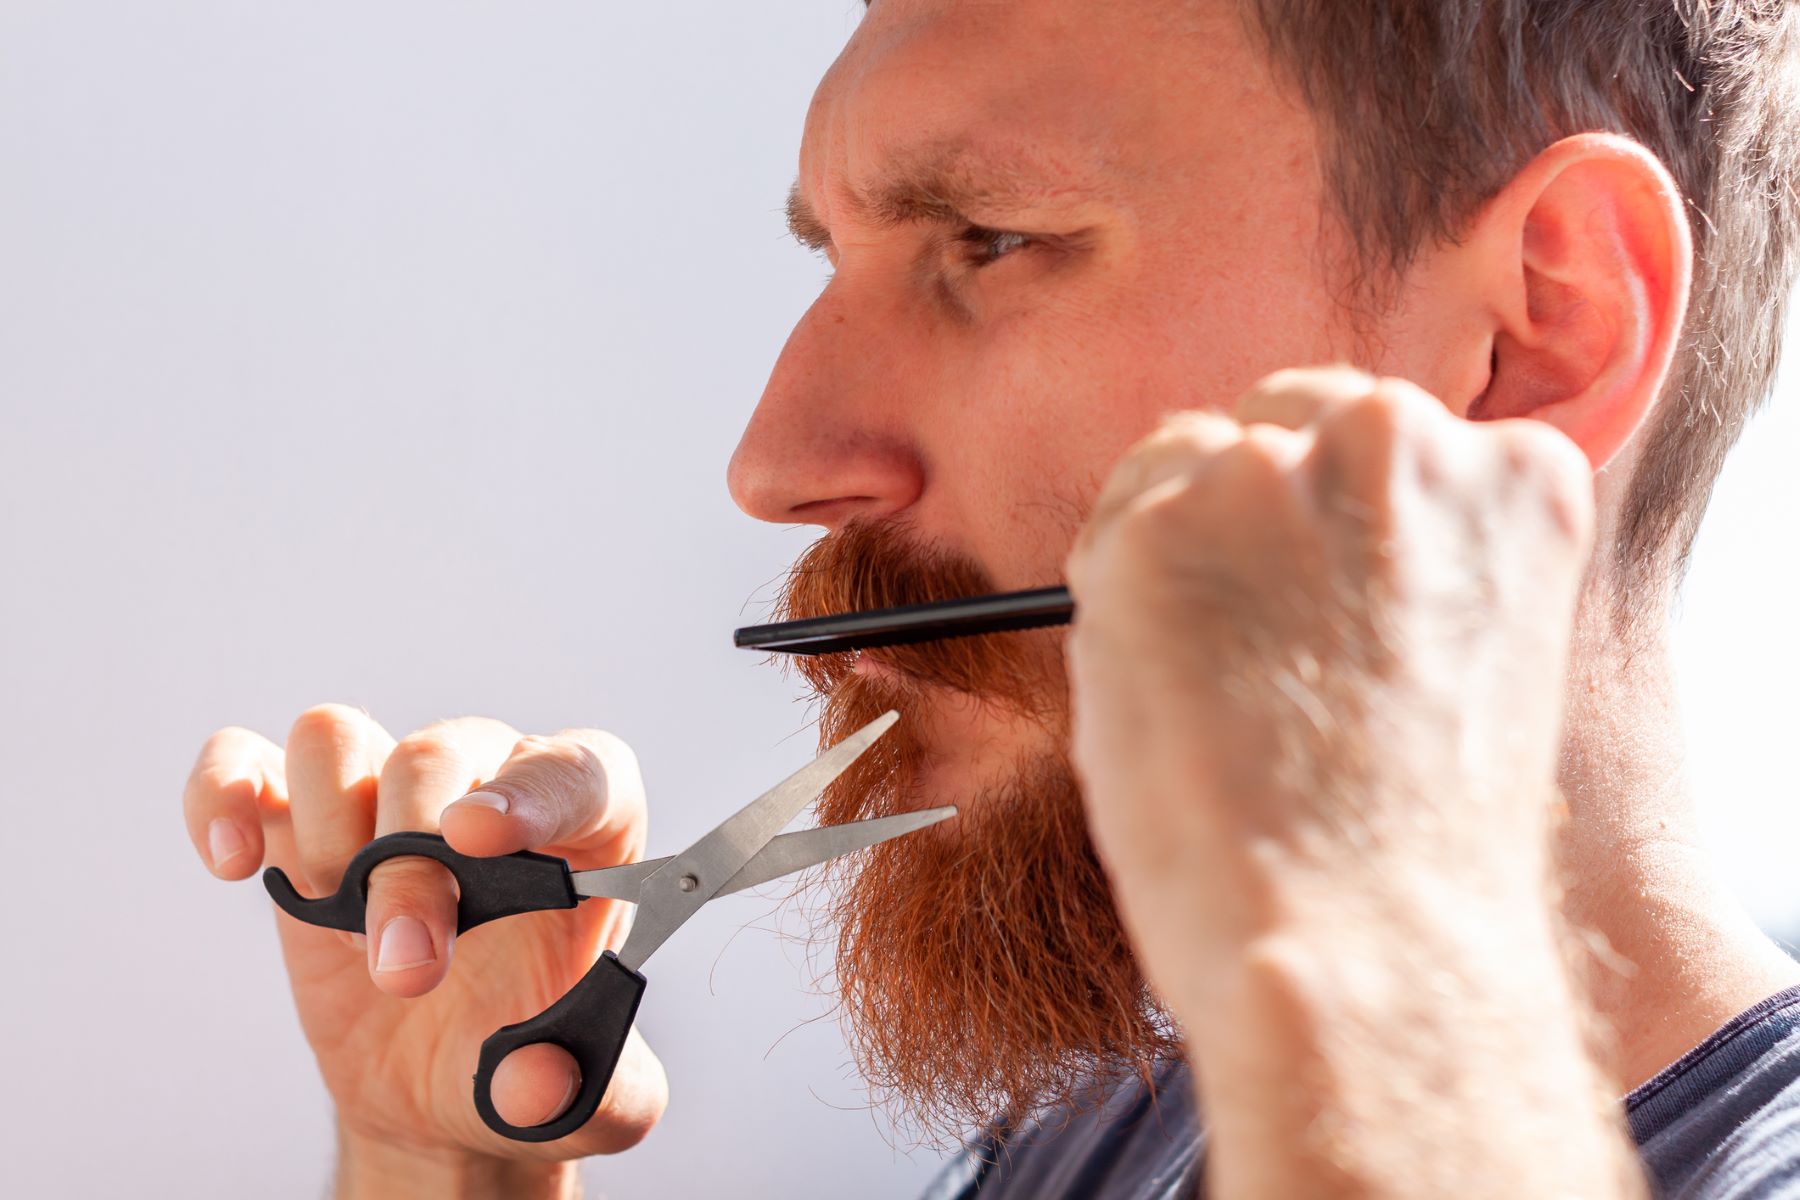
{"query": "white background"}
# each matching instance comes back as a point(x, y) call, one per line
point(392, 353)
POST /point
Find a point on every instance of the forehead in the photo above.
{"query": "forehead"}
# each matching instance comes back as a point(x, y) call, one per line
point(1102, 93)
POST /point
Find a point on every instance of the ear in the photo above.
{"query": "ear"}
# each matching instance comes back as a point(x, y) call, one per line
point(1585, 261)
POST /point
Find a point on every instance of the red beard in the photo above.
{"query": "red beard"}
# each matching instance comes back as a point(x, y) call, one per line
point(981, 966)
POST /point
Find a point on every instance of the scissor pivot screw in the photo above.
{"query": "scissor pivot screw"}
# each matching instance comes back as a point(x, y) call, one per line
point(688, 883)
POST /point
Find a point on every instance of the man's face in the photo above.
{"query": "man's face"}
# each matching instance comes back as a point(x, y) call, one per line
point(1051, 222)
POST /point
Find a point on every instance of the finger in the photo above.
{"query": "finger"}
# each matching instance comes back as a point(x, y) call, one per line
point(536, 1083)
point(1558, 472)
point(1297, 397)
point(411, 910)
point(334, 757)
point(1179, 447)
point(1361, 442)
point(236, 780)
point(580, 789)
point(1368, 457)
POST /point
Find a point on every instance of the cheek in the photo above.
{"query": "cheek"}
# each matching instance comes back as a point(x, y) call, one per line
point(1046, 405)
point(1036, 407)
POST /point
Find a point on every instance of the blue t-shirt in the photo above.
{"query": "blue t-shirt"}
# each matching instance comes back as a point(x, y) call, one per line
point(1720, 1123)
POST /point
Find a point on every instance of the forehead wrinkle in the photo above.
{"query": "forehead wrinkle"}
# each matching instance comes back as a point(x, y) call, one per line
point(942, 182)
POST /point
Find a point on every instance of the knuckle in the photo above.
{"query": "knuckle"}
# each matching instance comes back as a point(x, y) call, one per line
point(1256, 464)
point(1556, 472)
point(1250, 475)
point(476, 735)
point(230, 772)
point(1322, 381)
point(622, 785)
point(1279, 383)
point(1191, 431)
point(1140, 465)
point(223, 741)
point(1178, 446)
point(1404, 393)
point(223, 786)
point(414, 884)
point(565, 773)
point(1362, 442)
point(1157, 520)
point(613, 751)
point(326, 725)
point(1571, 511)
point(1299, 393)
point(1542, 452)
point(1374, 422)
point(575, 763)
point(424, 751)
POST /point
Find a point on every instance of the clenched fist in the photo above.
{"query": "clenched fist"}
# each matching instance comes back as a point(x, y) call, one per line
point(1319, 662)
point(395, 1026)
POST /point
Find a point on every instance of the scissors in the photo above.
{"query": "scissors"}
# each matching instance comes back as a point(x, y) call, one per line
point(593, 1018)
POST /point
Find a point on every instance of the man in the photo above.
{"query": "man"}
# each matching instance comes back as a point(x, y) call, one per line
point(1350, 811)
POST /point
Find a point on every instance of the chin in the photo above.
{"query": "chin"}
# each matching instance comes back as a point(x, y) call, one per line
point(950, 746)
point(969, 746)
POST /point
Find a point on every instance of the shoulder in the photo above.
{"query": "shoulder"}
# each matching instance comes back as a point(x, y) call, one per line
point(1723, 1122)
point(1126, 1136)
point(1757, 1160)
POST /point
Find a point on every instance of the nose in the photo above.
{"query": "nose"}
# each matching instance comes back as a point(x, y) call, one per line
point(831, 440)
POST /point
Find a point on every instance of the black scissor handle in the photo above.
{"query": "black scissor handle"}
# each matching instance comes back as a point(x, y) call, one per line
point(591, 1022)
point(490, 888)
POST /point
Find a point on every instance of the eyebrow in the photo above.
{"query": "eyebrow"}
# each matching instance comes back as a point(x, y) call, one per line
point(804, 223)
point(939, 190)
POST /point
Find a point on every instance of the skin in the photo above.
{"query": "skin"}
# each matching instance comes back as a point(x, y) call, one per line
point(1071, 242)
point(341, 780)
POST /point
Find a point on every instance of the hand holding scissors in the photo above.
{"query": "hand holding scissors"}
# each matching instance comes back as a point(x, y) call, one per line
point(592, 1019)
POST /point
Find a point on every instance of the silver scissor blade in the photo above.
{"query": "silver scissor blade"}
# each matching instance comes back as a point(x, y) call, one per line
point(677, 889)
point(784, 855)
point(617, 883)
point(797, 851)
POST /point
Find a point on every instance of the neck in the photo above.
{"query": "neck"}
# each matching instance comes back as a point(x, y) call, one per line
point(1671, 954)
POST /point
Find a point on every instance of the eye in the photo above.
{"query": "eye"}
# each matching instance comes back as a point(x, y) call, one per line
point(991, 245)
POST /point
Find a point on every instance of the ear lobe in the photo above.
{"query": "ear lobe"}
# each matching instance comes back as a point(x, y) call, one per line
point(1591, 263)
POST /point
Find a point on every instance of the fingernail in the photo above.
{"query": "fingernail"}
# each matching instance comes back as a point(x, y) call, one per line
point(493, 800)
point(224, 841)
point(405, 942)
